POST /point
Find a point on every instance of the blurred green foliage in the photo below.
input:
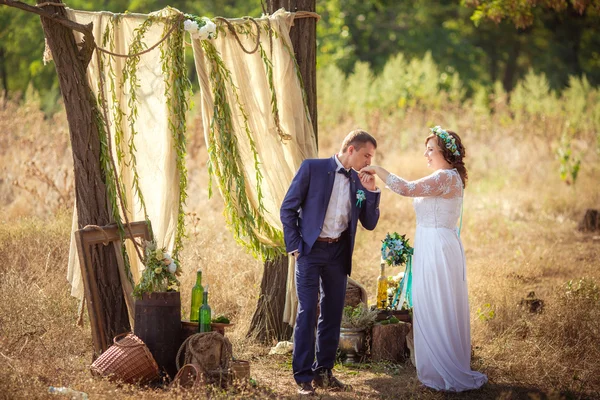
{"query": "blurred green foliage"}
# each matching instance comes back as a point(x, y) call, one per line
point(397, 46)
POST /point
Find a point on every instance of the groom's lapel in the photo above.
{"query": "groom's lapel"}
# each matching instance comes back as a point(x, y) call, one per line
point(353, 197)
point(331, 171)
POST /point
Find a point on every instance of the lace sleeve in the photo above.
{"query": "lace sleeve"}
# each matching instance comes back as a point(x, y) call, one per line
point(441, 183)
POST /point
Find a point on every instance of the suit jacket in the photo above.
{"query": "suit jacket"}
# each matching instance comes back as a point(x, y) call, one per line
point(305, 204)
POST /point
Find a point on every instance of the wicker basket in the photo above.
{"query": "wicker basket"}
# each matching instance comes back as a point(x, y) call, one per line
point(188, 377)
point(128, 360)
point(240, 369)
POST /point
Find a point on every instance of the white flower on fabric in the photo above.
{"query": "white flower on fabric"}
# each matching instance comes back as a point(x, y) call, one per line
point(190, 26)
point(210, 28)
point(200, 28)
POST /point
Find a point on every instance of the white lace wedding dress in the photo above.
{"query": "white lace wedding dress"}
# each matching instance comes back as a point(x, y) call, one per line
point(441, 326)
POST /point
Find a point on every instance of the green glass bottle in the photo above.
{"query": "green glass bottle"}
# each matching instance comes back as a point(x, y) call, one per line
point(197, 291)
point(205, 317)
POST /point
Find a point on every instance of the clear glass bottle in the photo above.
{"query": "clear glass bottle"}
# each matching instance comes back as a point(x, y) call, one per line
point(205, 314)
point(197, 293)
point(382, 287)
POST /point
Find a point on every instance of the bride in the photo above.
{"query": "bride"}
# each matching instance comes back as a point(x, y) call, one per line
point(442, 333)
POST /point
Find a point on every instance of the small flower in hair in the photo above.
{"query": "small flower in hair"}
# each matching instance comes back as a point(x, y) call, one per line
point(447, 138)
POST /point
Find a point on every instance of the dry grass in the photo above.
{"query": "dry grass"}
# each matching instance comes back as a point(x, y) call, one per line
point(519, 232)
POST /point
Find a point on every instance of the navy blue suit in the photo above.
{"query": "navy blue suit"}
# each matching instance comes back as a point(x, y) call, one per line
point(321, 267)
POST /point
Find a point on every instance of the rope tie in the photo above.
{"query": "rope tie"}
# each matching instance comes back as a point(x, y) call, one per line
point(48, 3)
point(96, 227)
point(232, 30)
point(180, 18)
point(307, 14)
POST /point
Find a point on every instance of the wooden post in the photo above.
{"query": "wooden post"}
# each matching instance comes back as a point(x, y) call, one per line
point(90, 190)
point(267, 323)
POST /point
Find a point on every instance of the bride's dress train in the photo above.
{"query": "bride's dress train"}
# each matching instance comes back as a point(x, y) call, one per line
point(441, 325)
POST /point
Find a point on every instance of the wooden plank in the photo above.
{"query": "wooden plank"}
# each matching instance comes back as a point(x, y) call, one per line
point(91, 294)
point(92, 236)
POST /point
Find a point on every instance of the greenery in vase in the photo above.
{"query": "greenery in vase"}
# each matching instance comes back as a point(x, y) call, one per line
point(160, 274)
point(359, 317)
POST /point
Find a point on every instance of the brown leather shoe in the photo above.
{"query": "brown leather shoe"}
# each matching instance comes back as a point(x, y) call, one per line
point(330, 382)
point(306, 389)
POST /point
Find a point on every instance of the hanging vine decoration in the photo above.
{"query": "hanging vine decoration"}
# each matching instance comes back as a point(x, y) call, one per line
point(177, 90)
point(226, 165)
point(117, 112)
point(274, 105)
point(130, 76)
point(110, 175)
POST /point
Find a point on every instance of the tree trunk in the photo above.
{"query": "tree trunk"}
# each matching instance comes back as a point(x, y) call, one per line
point(3, 74)
point(90, 190)
point(267, 323)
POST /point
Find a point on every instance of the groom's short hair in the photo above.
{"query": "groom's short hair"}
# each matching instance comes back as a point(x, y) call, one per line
point(358, 138)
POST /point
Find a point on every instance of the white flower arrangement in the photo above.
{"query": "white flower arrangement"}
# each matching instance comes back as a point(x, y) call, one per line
point(160, 274)
point(200, 28)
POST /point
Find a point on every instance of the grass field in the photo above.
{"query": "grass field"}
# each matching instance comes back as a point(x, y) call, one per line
point(519, 231)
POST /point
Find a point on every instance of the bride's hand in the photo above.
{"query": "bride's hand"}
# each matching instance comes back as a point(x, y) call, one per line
point(367, 170)
point(365, 178)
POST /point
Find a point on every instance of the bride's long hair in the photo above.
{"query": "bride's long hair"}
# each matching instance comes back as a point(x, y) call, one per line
point(455, 161)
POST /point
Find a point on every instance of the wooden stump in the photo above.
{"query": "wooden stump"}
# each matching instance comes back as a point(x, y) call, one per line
point(388, 341)
point(591, 221)
point(353, 295)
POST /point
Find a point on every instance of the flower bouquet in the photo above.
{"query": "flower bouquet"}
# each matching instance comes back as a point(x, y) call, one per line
point(395, 251)
point(160, 274)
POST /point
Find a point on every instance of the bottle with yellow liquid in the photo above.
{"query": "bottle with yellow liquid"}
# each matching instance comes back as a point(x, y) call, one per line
point(382, 286)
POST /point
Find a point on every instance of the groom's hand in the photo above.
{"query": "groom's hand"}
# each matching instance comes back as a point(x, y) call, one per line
point(368, 181)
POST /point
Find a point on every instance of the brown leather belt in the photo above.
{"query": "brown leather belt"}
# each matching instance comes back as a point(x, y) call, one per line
point(329, 240)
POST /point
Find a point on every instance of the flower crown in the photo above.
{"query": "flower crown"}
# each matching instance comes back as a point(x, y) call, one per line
point(447, 138)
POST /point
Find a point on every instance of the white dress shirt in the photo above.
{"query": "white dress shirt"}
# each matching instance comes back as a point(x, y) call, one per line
point(337, 216)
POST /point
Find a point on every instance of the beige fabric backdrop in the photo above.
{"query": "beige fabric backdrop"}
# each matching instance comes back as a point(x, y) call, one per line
point(156, 158)
point(155, 155)
point(280, 159)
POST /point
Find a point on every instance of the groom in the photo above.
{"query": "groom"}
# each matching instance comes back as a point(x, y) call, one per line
point(319, 214)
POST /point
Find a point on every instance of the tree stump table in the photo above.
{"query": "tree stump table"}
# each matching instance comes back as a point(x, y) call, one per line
point(388, 342)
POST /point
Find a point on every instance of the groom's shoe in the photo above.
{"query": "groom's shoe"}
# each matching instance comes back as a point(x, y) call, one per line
point(306, 389)
point(328, 381)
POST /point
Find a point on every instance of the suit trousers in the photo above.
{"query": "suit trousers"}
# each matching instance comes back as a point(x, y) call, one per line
point(322, 271)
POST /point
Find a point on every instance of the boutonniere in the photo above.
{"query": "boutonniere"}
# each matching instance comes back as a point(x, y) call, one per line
point(360, 197)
